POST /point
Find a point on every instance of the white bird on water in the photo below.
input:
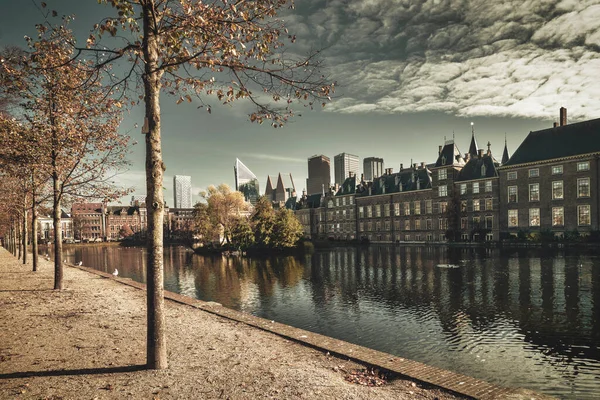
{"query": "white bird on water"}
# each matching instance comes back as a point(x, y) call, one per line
point(80, 263)
point(115, 272)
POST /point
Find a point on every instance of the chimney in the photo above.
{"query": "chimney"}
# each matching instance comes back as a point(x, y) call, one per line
point(423, 164)
point(388, 171)
point(480, 153)
point(362, 177)
point(555, 124)
point(563, 116)
point(350, 174)
point(440, 150)
point(467, 157)
point(415, 165)
point(401, 166)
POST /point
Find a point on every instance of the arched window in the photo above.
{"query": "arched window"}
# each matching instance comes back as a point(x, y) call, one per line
point(483, 170)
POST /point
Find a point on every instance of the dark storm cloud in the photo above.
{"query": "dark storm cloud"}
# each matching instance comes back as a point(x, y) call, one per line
point(478, 57)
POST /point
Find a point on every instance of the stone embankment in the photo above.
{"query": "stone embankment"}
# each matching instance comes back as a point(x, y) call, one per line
point(88, 342)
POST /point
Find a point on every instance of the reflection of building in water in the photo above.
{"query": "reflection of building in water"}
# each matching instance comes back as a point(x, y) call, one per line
point(246, 182)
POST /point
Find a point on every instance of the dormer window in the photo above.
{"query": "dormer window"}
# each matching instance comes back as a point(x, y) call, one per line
point(483, 170)
point(443, 160)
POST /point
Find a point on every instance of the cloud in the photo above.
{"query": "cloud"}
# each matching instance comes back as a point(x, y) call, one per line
point(468, 58)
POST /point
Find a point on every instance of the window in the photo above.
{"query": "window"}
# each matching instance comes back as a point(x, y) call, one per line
point(417, 207)
point(534, 217)
point(369, 212)
point(534, 172)
point(407, 208)
point(557, 190)
point(476, 205)
point(369, 226)
point(397, 225)
point(476, 187)
point(337, 202)
point(534, 192)
point(417, 224)
point(407, 225)
point(558, 216)
point(343, 201)
point(488, 186)
point(489, 222)
point(386, 210)
point(377, 210)
point(557, 169)
point(512, 194)
point(512, 175)
point(428, 225)
point(476, 222)
point(463, 188)
point(583, 215)
point(513, 218)
point(583, 166)
point(361, 212)
point(463, 206)
point(583, 187)
point(443, 206)
point(442, 174)
point(443, 224)
point(428, 206)
point(443, 191)
point(464, 224)
point(387, 225)
point(483, 170)
point(396, 209)
point(489, 204)
point(377, 226)
point(350, 200)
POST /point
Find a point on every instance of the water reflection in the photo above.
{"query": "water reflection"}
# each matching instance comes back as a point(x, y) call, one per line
point(518, 318)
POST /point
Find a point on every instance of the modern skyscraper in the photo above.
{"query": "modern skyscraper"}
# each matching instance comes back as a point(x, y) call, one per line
point(319, 174)
point(344, 164)
point(182, 191)
point(246, 182)
point(372, 168)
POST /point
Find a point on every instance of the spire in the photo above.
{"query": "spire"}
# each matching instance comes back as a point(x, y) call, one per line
point(473, 145)
point(505, 155)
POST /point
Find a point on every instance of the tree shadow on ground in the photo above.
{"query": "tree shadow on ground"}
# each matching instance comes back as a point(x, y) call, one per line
point(70, 372)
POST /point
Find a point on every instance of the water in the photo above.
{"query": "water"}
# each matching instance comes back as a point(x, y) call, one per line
point(524, 318)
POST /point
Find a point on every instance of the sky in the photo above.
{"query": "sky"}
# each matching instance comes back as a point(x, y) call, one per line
point(409, 74)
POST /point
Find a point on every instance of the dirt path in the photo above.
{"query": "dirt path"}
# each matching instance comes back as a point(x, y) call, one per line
point(88, 342)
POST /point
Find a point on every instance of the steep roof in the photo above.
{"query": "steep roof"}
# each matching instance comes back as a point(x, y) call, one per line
point(403, 181)
point(348, 187)
point(473, 146)
point(450, 155)
point(505, 155)
point(473, 168)
point(561, 141)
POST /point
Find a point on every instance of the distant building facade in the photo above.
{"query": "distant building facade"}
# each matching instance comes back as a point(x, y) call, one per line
point(344, 165)
point(319, 174)
point(372, 168)
point(279, 190)
point(182, 191)
point(246, 182)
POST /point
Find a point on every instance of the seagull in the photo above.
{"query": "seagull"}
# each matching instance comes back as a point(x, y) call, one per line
point(115, 272)
point(80, 263)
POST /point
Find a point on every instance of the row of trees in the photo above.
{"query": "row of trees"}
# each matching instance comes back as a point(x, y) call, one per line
point(224, 220)
point(70, 102)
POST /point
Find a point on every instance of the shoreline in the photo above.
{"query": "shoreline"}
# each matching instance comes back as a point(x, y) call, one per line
point(190, 316)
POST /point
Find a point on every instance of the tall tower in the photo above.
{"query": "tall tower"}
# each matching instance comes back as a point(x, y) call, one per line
point(345, 163)
point(246, 182)
point(319, 174)
point(182, 191)
point(372, 168)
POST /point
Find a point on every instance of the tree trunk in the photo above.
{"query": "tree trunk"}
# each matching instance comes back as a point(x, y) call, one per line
point(25, 236)
point(58, 265)
point(18, 237)
point(34, 232)
point(156, 338)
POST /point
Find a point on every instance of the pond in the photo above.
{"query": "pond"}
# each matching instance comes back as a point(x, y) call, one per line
point(517, 318)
